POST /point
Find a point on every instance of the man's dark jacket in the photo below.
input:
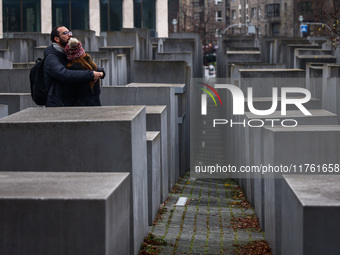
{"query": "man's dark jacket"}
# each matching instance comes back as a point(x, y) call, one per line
point(56, 76)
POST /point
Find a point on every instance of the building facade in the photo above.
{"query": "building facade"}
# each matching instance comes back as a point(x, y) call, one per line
point(276, 17)
point(206, 17)
point(97, 15)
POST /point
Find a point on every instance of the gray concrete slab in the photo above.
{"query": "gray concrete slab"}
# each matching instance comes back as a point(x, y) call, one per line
point(120, 69)
point(151, 94)
point(22, 48)
point(154, 173)
point(234, 73)
point(330, 88)
point(82, 139)
point(176, 56)
point(3, 110)
point(304, 55)
point(196, 49)
point(64, 213)
point(253, 151)
point(173, 72)
point(17, 101)
point(263, 80)
point(156, 119)
point(182, 135)
point(310, 209)
point(312, 145)
point(291, 49)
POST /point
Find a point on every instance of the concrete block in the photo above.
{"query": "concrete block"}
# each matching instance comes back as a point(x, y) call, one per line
point(312, 145)
point(291, 49)
point(3, 110)
point(139, 39)
point(314, 74)
point(64, 213)
point(14, 81)
point(310, 212)
point(82, 139)
point(176, 56)
point(7, 57)
point(302, 60)
point(234, 69)
point(156, 119)
point(196, 52)
point(330, 88)
point(154, 173)
point(263, 80)
point(302, 56)
point(173, 72)
point(17, 101)
point(120, 68)
point(5, 63)
point(22, 48)
point(40, 38)
point(236, 56)
point(151, 94)
point(253, 146)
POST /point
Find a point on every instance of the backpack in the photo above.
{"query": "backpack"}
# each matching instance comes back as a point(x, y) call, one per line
point(38, 89)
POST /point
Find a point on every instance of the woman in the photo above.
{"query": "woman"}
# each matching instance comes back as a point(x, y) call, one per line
point(81, 94)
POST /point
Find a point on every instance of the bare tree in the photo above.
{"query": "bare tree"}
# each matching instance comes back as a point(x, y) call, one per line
point(330, 17)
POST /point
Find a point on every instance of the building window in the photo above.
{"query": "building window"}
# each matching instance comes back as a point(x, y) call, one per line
point(197, 16)
point(259, 15)
point(218, 2)
point(110, 15)
point(285, 9)
point(305, 8)
point(74, 14)
point(272, 10)
point(233, 14)
point(21, 16)
point(275, 29)
point(145, 14)
point(198, 3)
point(253, 12)
point(218, 15)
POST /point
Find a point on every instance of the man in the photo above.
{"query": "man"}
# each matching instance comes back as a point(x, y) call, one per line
point(56, 75)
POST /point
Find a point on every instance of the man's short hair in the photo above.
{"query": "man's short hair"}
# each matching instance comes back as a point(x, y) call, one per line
point(55, 33)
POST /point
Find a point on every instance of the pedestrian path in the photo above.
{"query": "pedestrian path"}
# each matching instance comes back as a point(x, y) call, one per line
point(216, 219)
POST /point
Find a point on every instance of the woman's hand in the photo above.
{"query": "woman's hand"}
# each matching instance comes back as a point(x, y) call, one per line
point(97, 75)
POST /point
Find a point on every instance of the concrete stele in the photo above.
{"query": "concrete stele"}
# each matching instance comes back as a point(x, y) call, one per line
point(64, 213)
point(82, 139)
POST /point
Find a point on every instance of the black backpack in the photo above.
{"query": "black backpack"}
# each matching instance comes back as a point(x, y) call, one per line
point(38, 89)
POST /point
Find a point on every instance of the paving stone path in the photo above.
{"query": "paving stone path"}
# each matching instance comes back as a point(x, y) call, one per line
point(205, 224)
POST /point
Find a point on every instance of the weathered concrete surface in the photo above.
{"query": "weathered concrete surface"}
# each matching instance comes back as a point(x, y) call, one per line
point(3, 110)
point(159, 72)
point(156, 119)
point(310, 209)
point(263, 80)
point(64, 213)
point(152, 94)
point(14, 81)
point(17, 101)
point(253, 150)
point(154, 173)
point(312, 145)
point(82, 139)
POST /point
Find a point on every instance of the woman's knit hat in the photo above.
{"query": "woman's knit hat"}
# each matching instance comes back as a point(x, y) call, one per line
point(74, 49)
